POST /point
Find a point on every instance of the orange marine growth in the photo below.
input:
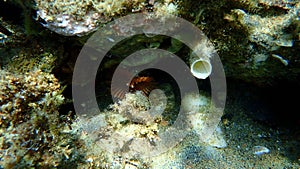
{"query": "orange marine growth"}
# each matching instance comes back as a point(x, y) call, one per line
point(144, 84)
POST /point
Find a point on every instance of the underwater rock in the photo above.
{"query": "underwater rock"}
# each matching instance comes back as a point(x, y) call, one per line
point(284, 4)
point(268, 32)
point(217, 139)
point(193, 102)
point(136, 126)
point(30, 125)
point(199, 114)
point(79, 18)
point(255, 32)
point(260, 150)
point(127, 127)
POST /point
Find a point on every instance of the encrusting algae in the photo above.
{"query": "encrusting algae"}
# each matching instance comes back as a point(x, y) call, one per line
point(30, 123)
point(82, 17)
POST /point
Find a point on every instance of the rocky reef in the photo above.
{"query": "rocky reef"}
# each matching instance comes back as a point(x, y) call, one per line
point(31, 126)
point(136, 129)
point(79, 18)
point(253, 38)
point(258, 41)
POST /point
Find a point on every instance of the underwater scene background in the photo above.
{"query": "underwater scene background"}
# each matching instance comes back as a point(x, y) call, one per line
point(149, 84)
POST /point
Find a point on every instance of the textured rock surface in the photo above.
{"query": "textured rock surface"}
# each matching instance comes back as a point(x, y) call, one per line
point(82, 17)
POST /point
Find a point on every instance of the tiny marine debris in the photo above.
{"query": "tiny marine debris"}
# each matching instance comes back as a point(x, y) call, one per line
point(281, 59)
point(4, 30)
point(260, 150)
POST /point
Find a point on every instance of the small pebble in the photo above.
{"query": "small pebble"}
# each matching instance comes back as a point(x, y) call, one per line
point(260, 150)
